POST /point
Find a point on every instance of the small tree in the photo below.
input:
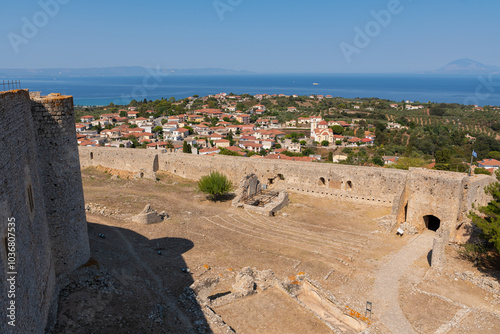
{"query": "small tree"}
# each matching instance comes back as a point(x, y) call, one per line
point(186, 148)
point(215, 185)
point(488, 217)
point(377, 160)
point(325, 143)
point(337, 129)
point(480, 170)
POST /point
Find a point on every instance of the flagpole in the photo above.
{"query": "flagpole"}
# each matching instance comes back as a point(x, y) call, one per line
point(471, 157)
point(470, 167)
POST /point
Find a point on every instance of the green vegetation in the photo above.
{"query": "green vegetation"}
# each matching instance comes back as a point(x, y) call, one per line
point(480, 170)
point(488, 217)
point(225, 151)
point(186, 148)
point(444, 133)
point(215, 185)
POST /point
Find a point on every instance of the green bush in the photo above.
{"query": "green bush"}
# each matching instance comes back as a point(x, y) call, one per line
point(488, 217)
point(215, 185)
point(473, 252)
point(480, 170)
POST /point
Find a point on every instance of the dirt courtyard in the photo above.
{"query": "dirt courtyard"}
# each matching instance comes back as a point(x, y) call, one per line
point(138, 278)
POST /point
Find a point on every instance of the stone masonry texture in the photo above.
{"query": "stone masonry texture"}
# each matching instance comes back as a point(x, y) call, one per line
point(29, 190)
point(412, 194)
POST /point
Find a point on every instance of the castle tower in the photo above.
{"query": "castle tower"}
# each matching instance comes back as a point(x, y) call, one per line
point(55, 133)
point(25, 248)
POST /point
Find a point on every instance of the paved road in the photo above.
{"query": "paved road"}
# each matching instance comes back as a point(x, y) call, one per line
point(386, 289)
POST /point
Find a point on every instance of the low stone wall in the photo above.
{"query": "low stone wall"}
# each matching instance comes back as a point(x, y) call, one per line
point(412, 194)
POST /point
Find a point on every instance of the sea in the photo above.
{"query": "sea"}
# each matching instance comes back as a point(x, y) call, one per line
point(479, 90)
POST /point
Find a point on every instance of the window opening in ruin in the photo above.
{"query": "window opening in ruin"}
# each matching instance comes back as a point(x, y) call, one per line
point(321, 181)
point(432, 222)
point(270, 181)
point(349, 185)
point(31, 201)
point(91, 155)
point(406, 212)
point(141, 175)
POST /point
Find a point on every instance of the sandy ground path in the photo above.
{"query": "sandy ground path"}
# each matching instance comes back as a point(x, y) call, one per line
point(386, 289)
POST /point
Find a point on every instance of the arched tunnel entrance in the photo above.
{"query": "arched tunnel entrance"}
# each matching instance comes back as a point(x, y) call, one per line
point(432, 222)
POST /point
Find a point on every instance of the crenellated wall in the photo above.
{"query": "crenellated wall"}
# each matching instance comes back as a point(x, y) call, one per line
point(411, 194)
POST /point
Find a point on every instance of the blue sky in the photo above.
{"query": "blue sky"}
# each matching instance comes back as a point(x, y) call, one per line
point(261, 36)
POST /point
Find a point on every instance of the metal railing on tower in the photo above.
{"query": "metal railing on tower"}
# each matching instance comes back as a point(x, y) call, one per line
point(10, 85)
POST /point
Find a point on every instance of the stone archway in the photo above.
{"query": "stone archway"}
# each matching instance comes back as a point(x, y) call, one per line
point(321, 181)
point(432, 222)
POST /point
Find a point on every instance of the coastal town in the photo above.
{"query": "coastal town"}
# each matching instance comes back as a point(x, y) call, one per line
point(265, 126)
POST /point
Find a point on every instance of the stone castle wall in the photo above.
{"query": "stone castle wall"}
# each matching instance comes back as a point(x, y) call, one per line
point(412, 194)
point(54, 126)
point(26, 196)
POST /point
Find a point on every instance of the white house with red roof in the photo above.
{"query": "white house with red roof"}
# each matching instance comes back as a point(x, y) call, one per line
point(411, 107)
point(368, 141)
point(247, 127)
point(222, 143)
point(206, 151)
point(250, 146)
point(215, 136)
point(179, 134)
point(132, 114)
point(489, 164)
point(86, 119)
point(80, 127)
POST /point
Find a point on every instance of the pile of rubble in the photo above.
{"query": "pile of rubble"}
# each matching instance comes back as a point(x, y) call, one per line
point(100, 210)
point(150, 216)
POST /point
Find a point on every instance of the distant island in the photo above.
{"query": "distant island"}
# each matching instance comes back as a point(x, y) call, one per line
point(459, 66)
point(467, 66)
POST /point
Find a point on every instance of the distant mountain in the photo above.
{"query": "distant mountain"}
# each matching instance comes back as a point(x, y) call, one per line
point(467, 66)
point(111, 71)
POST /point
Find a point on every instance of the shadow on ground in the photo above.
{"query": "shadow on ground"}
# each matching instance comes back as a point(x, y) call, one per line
point(130, 285)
